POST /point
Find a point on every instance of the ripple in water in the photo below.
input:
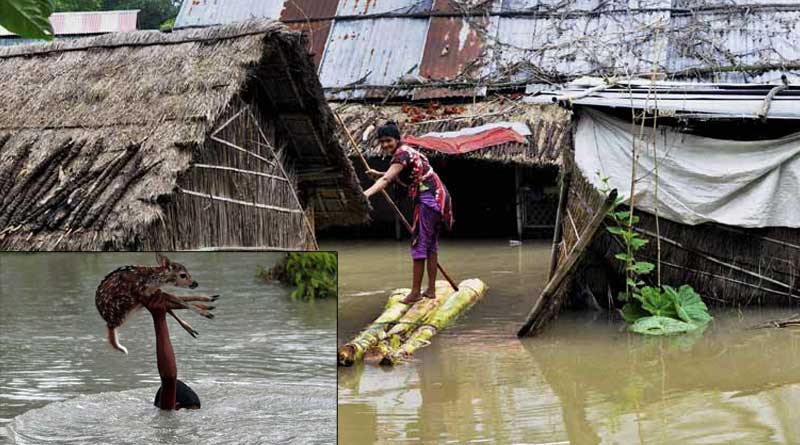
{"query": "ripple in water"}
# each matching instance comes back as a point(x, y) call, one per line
point(235, 414)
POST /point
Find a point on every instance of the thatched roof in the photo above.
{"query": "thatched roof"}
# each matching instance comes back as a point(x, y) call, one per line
point(156, 97)
point(550, 127)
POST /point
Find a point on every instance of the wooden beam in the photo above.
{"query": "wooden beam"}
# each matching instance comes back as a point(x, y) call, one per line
point(308, 224)
point(518, 203)
point(713, 259)
point(238, 170)
point(557, 233)
point(227, 122)
point(238, 148)
point(549, 302)
point(239, 202)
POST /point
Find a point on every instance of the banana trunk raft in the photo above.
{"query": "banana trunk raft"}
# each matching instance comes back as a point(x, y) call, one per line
point(401, 330)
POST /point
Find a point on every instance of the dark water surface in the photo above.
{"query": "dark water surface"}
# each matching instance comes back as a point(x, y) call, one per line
point(264, 368)
point(583, 381)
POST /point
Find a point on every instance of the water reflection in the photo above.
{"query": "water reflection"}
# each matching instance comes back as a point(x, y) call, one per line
point(584, 381)
point(260, 362)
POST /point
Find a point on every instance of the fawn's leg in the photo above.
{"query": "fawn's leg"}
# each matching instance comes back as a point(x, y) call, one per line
point(186, 326)
point(198, 298)
point(175, 302)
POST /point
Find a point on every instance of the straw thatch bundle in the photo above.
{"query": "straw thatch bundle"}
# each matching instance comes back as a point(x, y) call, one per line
point(550, 127)
point(148, 140)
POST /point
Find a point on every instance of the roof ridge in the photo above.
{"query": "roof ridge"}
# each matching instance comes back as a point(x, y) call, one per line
point(149, 38)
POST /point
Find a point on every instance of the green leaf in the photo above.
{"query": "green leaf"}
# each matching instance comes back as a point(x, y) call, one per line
point(689, 306)
point(623, 215)
point(642, 267)
point(623, 256)
point(656, 302)
point(616, 230)
point(632, 311)
point(638, 243)
point(27, 18)
point(657, 325)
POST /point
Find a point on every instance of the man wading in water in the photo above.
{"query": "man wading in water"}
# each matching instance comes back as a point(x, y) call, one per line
point(432, 205)
point(173, 393)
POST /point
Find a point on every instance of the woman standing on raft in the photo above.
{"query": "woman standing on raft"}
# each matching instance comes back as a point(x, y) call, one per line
point(432, 205)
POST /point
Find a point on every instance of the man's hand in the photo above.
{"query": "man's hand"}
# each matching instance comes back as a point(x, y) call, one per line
point(374, 174)
point(157, 305)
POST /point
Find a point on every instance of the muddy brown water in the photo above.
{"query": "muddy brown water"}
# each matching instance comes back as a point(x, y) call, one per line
point(583, 381)
point(259, 367)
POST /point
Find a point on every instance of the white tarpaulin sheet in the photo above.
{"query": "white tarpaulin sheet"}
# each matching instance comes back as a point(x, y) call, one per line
point(740, 183)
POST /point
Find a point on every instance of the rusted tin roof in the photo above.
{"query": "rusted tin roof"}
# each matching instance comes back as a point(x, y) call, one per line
point(372, 52)
point(400, 48)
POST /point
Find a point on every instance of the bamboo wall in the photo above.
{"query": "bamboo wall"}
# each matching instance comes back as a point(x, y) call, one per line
point(266, 212)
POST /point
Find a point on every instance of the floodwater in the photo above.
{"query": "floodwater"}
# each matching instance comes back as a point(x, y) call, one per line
point(583, 381)
point(264, 368)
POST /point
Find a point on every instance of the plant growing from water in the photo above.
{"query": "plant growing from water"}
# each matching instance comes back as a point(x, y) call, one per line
point(313, 274)
point(650, 310)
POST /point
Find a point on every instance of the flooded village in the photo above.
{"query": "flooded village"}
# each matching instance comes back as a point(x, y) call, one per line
point(623, 178)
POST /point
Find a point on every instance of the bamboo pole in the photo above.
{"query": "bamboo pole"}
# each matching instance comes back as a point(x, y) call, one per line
point(715, 260)
point(548, 304)
point(239, 170)
point(293, 183)
point(557, 233)
point(389, 198)
point(239, 202)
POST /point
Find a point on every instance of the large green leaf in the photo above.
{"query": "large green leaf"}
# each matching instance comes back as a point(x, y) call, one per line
point(27, 18)
point(633, 311)
point(688, 305)
point(656, 303)
point(657, 325)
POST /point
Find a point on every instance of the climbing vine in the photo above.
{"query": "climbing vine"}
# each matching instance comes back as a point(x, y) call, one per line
point(650, 310)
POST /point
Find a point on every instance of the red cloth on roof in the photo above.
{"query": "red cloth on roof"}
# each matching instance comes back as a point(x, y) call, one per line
point(467, 143)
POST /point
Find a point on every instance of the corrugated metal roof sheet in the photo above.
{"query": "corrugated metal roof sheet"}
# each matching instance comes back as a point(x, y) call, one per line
point(305, 9)
point(452, 47)
point(80, 23)
point(217, 12)
point(375, 52)
point(758, 37)
point(688, 99)
point(521, 41)
point(364, 7)
point(578, 45)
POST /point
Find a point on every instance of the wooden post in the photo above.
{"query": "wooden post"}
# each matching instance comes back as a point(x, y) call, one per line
point(519, 199)
point(549, 302)
point(557, 232)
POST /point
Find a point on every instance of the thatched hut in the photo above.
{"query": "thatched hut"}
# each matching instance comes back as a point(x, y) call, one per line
point(206, 138)
point(717, 169)
point(514, 182)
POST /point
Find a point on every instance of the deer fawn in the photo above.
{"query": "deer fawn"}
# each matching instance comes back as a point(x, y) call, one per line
point(130, 288)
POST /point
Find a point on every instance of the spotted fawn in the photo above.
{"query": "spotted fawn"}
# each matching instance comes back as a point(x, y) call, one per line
point(129, 288)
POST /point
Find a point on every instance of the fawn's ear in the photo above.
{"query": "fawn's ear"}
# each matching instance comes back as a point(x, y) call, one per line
point(162, 260)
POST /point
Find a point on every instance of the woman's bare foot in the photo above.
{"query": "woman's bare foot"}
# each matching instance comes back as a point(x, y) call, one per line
point(412, 297)
point(429, 293)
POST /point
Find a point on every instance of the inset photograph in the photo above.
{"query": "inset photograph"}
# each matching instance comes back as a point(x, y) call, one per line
point(168, 348)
